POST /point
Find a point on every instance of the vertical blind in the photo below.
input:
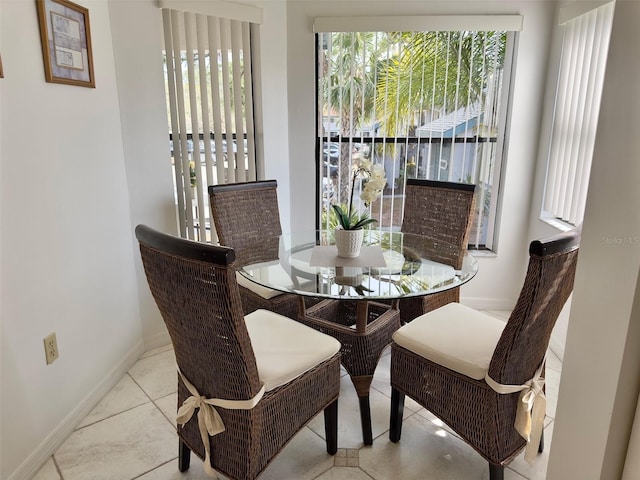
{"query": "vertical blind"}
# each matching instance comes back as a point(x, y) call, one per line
point(209, 94)
point(583, 61)
point(425, 104)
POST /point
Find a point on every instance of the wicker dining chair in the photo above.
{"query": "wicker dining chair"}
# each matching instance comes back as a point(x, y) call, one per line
point(265, 375)
point(442, 211)
point(247, 218)
point(454, 360)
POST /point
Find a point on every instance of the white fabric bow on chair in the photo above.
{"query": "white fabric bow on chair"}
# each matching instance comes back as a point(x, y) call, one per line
point(209, 421)
point(532, 405)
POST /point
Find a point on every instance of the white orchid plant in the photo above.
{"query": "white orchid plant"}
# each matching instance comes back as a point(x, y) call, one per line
point(375, 182)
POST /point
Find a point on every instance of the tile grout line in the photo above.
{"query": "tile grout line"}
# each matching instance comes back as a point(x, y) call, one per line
point(154, 468)
point(143, 391)
point(55, 464)
point(126, 409)
point(154, 403)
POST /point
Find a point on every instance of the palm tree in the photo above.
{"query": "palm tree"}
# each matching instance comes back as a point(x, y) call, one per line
point(435, 72)
point(399, 81)
point(349, 90)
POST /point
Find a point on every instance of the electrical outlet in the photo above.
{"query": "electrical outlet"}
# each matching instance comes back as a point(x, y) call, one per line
point(50, 348)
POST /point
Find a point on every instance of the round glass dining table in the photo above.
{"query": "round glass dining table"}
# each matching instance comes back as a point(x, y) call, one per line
point(391, 265)
point(360, 296)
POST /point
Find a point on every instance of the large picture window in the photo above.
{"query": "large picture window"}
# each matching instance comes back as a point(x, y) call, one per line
point(426, 104)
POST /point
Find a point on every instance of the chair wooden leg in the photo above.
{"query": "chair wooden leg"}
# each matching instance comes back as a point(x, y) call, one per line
point(395, 418)
point(541, 444)
point(496, 472)
point(331, 427)
point(184, 456)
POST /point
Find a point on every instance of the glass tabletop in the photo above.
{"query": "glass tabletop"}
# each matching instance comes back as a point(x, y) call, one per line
point(391, 265)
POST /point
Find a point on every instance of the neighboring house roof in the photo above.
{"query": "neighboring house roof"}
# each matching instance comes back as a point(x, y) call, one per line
point(452, 124)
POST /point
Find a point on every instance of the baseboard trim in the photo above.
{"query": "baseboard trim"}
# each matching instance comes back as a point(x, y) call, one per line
point(34, 462)
point(156, 341)
point(557, 347)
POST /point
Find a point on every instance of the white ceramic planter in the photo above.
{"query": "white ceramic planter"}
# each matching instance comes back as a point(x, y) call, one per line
point(349, 242)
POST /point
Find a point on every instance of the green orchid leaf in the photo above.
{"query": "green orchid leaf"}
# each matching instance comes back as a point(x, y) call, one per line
point(363, 222)
point(343, 219)
point(361, 289)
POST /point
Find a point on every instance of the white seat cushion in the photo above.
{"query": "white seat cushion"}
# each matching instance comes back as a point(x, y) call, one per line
point(454, 336)
point(285, 349)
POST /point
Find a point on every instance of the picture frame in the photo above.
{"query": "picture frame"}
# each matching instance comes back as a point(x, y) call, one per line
point(1, 70)
point(66, 43)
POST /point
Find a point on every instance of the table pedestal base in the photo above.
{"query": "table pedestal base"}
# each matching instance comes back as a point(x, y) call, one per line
point(364, 329)
point(365, 419)
point(363, 386)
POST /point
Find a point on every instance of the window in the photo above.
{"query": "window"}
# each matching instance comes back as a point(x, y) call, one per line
point(208, 72)
point(428, 103)
point(579, 89)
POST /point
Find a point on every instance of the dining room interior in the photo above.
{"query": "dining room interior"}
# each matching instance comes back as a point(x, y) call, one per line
point(71, 199)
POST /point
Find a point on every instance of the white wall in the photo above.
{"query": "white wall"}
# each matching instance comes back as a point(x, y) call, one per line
point(140, 77)
point(67, 257)
point(143, 112)
point(601, 369)
point(500, 277)
point(632, 458)
point(273, 72)
point(80, 168)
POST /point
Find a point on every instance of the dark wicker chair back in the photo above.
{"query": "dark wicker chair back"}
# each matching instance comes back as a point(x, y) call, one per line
point(245, 214)
point(442, 211)
point(247, 218)
point(547, 285)
point(195, 287)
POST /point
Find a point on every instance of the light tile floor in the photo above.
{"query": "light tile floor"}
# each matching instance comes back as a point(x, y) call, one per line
point(131, 435)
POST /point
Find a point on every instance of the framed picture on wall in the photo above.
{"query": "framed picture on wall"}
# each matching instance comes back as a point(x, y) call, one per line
point(1, 71)
point(66, 42)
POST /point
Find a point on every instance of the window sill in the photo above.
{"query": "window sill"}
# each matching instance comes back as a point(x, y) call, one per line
point(557, 224)
point(483, 253)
